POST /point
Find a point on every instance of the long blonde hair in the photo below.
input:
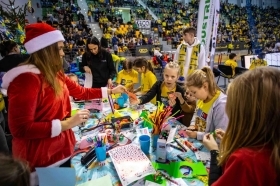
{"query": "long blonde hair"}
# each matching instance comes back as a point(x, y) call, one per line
point(200, 76)
point(253, 109)
point(49, 62)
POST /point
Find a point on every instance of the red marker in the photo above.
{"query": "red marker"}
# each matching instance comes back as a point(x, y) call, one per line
point(190, 145)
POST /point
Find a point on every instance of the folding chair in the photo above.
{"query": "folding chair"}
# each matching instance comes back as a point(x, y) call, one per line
point(240, 70)
point(226, 73)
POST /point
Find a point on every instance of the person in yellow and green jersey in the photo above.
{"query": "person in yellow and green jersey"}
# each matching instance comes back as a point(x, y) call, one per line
point(231, 62)
point(127, 77)
point(148, 78)
point(229, 47)
point(260, 62)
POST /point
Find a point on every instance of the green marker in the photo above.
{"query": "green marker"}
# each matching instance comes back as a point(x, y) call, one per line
point(214, 134)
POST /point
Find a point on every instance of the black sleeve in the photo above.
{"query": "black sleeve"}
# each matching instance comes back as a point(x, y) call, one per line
point(112, 69)
point(84, 63)
point(150, 94)
point(215, 169)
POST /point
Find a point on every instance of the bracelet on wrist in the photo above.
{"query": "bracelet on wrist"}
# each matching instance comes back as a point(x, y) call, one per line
point(214, 152)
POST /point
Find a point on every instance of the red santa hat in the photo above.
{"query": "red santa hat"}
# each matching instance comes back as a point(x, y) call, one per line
point(39, 36)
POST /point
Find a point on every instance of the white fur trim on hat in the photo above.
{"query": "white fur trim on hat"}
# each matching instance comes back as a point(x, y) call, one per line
point(43, 41)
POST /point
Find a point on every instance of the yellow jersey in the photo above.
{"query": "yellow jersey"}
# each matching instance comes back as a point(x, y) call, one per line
point(202, 110)
point(127, 79)
point(164, 94)
point(258, 63)
point(232, 63)
point(148, 79)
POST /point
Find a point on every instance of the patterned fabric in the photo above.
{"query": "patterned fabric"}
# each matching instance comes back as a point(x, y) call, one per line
point(194, 59)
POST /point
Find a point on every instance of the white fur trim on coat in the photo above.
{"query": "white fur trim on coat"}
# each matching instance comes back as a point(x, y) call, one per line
point(56, 128)
point(15, 72)
point(104, 91)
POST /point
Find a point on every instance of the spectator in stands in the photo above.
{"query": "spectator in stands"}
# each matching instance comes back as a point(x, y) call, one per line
point(104, 41)
point(80, 42)
point(98, 62)
point(232, 62)
point(190, 54)
point(116, 48)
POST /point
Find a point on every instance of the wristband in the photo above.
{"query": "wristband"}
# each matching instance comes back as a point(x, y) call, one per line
point(214, 152)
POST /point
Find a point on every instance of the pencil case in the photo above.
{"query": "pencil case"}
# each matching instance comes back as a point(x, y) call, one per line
point(88, 156)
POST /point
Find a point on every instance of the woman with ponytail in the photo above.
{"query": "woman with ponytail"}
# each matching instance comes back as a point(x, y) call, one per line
point(210, 110)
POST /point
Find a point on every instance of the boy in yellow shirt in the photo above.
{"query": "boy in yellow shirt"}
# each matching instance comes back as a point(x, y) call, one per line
point(231, 62)
point(127, 77)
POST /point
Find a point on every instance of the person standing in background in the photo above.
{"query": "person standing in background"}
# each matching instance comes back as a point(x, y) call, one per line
point(98, 62)
point(190, 55)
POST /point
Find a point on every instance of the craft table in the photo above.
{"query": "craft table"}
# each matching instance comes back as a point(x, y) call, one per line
point(95, 171)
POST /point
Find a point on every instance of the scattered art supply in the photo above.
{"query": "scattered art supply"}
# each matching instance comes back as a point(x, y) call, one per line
point(202, 156)
point(131, 95)
point(131, 163)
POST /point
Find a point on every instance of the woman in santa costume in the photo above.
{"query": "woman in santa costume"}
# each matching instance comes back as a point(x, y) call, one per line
point(39, 107)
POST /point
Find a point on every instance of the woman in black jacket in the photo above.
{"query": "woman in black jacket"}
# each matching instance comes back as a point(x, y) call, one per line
point(164, 90)
point(98, 62)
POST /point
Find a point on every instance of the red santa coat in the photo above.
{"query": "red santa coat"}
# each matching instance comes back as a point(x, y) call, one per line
point(35, 114)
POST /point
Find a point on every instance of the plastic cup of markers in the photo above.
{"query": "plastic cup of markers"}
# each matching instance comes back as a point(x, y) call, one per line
point(100, 153)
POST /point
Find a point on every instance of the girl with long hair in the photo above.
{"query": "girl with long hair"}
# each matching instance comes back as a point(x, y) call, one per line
point(250, 148)
point(40, 117)
point(210, 108)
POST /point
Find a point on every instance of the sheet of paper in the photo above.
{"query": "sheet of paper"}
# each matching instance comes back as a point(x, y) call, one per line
point(88, 80)
point(149, 183)
point(140, 182)
point(58, 176)
point(105, 180)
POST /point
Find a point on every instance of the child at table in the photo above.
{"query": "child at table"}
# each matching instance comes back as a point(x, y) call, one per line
point(188, 106)
point(210, 110)
point(127, 77)
point(148, 78)
point(164, 90)
point(249, 150)
point(74, 78)
point(14, 172)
